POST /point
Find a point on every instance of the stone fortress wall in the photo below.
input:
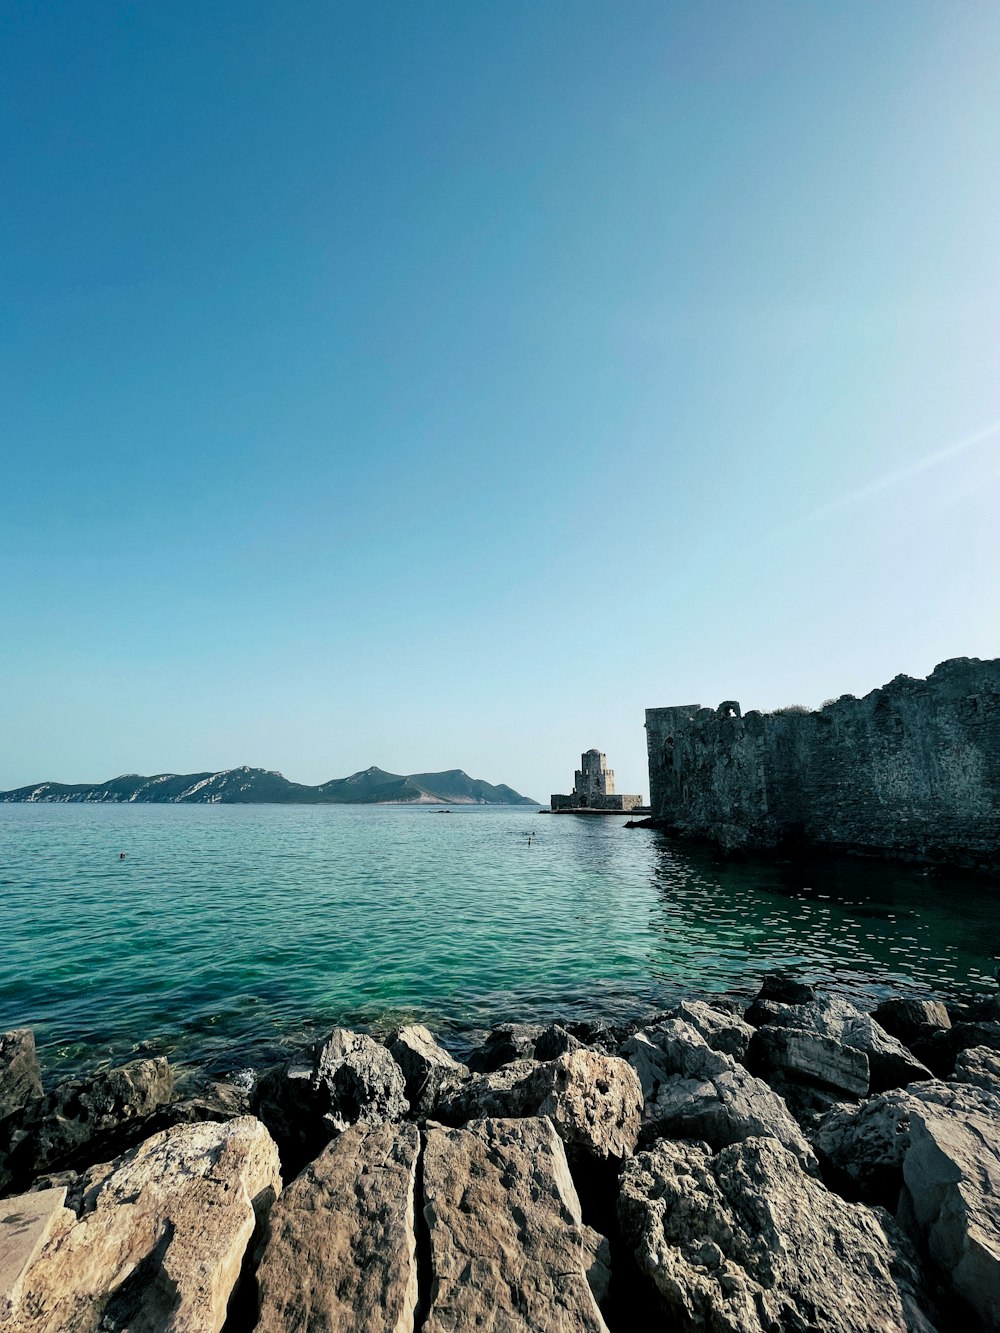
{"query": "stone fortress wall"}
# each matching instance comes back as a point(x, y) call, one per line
point(912, 769)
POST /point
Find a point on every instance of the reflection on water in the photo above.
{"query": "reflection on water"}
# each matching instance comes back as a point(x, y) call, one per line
point(228, 927)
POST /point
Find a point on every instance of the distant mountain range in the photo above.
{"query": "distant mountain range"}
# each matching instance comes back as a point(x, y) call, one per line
point(256, 786)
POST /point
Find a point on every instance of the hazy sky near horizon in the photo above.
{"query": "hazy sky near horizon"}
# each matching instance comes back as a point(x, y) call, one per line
point(440, 385)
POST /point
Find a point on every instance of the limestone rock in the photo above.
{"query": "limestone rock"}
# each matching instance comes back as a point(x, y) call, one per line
point(723, 1031)
point(341, 1249)
point(91, 1119)
point(862, 1147)
point(20, 1077)
point(952, 1175)
point(162, 1237)
point(909, 1019)
point(890, 1063)
point(350, 1078)
point(507, 1042)
point(694, 1092)
point(556, 1041)
point(810, 1057)
point(593, 1100)
point(980, 1066)
point(746, 1242)
point(505, 1093)
point(361, 1080)
point(427, 1067)
point(509, 1250)
point(27, 1223)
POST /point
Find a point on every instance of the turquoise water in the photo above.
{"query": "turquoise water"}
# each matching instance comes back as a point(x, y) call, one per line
point(228, 929)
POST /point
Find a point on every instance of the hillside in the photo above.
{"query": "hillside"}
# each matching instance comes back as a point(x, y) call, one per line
point(258, 786)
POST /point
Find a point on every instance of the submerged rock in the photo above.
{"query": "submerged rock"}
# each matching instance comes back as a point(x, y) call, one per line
point(161, 1239)
point(745, 1242)
point(509, 1249)
point(340, 1252)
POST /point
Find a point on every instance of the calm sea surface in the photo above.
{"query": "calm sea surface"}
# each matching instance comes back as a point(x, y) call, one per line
point(230, 929)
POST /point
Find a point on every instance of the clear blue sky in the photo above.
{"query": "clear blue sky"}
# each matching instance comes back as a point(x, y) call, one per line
point(439, 385)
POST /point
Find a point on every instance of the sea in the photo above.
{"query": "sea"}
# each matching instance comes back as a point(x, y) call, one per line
point(230, 933)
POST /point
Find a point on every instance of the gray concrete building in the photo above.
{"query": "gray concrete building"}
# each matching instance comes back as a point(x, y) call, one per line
point(594, 788)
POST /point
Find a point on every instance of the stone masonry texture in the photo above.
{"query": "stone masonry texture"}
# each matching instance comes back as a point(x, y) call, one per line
point(910, 770)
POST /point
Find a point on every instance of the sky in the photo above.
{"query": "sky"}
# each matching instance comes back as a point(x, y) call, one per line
point(439, 385)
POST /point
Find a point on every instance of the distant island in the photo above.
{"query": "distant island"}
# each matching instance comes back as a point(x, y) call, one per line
point(259, 786)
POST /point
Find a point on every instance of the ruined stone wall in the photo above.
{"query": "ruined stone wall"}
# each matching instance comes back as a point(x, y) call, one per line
point(912, 769)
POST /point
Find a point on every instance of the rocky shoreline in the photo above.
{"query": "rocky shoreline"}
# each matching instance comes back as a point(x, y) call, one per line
point(791, 1163)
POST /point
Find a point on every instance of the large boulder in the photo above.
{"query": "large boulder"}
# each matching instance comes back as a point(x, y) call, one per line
point(593, 1100)
point(162, 1237)
point(692, 1091)
point(810, 1057)
point(358, 1080)
point(20, 1077)
point(942, 1048)
point(556, 1041)
point(27, 1223)
point(862, 1147)
point(746, 1242)
point(980, 1066)
point(910, 1019)
point(85, 1120)
point(509, 1249)
point(341, 1250)
point(347, 1079)
point(506, 1042)
point(890, 1063)
point(722, 1030)
point(952, 1175)
point(427, 1067)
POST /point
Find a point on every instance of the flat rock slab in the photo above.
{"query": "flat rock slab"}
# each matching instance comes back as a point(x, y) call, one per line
point(341, 1248)
point(27, 1223)
point(162, 1237)
point(509, 1250)
point(746, 1242)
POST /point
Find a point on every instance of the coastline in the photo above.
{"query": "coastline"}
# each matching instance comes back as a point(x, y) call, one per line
point(793, 1101)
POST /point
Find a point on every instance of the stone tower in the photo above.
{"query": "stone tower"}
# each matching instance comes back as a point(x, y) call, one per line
point(594, 789)
point(593, 777)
